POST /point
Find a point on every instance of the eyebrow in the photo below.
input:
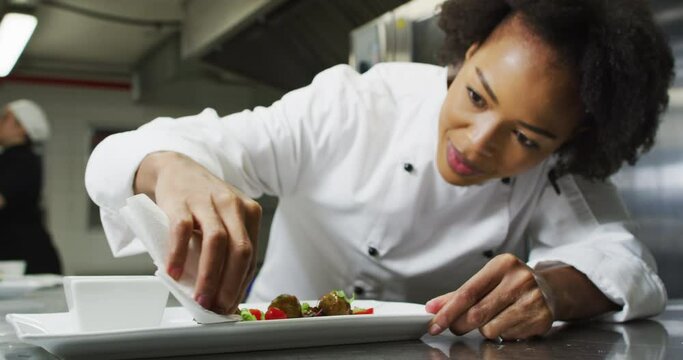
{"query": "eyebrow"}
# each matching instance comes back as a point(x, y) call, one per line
point(537, 130)
point(486, 85)
point(493, 96)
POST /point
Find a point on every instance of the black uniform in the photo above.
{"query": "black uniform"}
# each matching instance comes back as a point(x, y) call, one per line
point(22, 233)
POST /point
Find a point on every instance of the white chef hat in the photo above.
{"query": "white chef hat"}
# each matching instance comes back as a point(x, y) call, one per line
point(32, 118)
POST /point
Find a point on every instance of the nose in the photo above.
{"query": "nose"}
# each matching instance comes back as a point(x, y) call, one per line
point(482, 135)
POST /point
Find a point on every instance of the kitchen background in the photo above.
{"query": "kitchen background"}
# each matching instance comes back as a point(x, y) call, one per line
point(102, 66)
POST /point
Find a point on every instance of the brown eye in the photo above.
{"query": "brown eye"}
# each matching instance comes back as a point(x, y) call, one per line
point(476, 99)
point(524, 140)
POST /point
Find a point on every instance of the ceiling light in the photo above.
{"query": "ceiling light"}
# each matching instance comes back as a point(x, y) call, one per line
point(15, 31)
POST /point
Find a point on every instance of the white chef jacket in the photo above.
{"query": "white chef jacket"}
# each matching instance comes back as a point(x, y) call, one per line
point(352, 216)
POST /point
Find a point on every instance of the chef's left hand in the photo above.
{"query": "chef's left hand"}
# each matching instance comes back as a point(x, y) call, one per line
point(504, 299)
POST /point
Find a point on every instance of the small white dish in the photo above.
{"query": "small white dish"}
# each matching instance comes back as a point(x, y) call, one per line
point(12, 268)
point(101, 303)
point(178, 334)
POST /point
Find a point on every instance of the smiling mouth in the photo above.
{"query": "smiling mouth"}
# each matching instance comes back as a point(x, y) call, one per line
point(458, 163)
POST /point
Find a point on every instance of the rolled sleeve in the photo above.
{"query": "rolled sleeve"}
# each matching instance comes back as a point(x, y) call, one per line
point(114, 162)
point(112, 165)
point(587, 227)
point(265, 150)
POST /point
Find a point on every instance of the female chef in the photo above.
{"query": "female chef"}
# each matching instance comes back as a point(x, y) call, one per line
point(412, 182)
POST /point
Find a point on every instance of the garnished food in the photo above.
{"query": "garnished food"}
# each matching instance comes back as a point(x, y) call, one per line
point(361, 311)
point(258, 315)
point(248, 314)
point(335, 303)
point(274, 313)
point(310, 311)
point(287, 306)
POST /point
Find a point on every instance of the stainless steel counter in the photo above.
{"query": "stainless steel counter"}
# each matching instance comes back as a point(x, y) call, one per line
point(657, 338)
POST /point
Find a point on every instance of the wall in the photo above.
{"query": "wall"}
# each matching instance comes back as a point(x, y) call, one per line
point(73, 113)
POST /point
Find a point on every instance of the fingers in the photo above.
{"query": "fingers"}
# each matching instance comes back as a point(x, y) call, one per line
point(181, 226)
point(239, 252)
point(503, 299)
point(515, 285)
point(227, 221)
point(503, 322)
point(229, 231)
point(213, 252)
point(246, 283)
point(527, 317)
point(253, 223)
point(540, 318)
point(434, 305)
point(466, 296)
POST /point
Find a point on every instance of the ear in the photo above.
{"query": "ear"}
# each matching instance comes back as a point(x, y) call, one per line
point(471, 50)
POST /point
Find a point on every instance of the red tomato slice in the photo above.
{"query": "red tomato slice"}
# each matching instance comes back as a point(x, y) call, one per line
point(274, 313)
point(257, 313)
point(368, 311)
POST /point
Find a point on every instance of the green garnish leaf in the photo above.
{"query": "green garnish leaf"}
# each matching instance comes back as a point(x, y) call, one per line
point(342, 295)
point(247, 315)
point(305, 308)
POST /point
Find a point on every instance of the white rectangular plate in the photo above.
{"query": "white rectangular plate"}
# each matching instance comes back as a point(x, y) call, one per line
point(178, 334)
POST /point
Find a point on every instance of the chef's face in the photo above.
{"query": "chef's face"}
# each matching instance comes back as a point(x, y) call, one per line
point(511, 105)
point(10, 128)
point(4, 124)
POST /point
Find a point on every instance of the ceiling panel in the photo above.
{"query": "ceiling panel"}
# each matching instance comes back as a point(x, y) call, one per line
point(67, 36)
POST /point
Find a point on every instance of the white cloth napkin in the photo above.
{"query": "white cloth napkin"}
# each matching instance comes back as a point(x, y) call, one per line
point(151, 226)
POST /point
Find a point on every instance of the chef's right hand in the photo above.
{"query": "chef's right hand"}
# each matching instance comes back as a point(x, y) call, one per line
point(224, 220)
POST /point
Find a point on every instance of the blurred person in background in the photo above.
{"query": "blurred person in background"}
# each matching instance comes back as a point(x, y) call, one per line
point(23, 235)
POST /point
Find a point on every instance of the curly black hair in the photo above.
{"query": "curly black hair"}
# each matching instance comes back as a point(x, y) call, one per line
point(622, 57)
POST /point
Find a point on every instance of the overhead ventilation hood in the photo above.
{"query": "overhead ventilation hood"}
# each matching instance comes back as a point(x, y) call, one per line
point(290, 43)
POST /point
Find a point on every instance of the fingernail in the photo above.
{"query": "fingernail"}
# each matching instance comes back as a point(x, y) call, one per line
point(429, 306)
point(175, 272)
point(204, 301)
point(435, 329)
